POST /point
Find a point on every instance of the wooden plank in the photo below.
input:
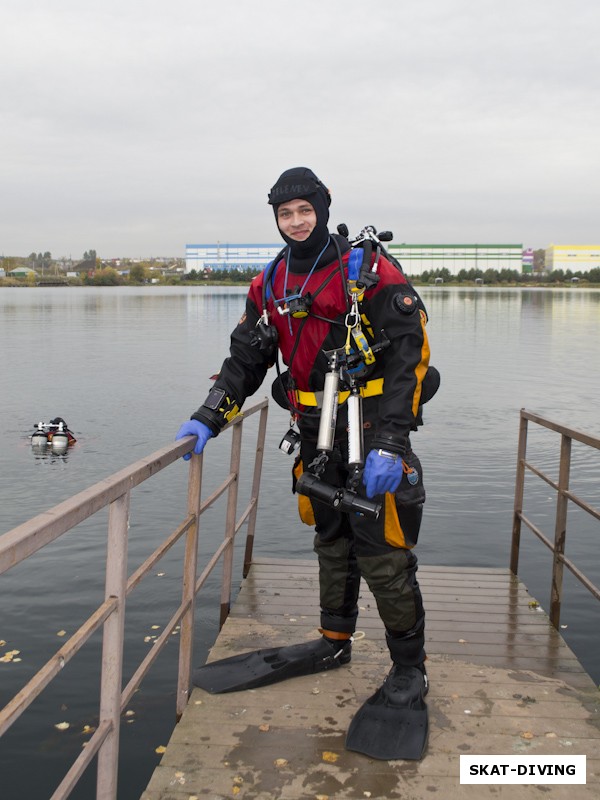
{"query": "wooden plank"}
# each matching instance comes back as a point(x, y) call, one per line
point(502, 681)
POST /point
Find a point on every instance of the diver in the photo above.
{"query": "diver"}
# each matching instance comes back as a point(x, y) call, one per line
point(362, 332)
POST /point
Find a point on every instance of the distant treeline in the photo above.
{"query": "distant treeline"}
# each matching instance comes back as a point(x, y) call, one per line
point(487, 276)
point(139, 275)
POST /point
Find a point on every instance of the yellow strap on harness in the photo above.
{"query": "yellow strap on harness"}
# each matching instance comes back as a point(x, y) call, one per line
point(371, 389)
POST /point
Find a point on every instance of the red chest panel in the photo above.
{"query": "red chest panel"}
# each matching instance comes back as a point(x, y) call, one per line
point(328, 300)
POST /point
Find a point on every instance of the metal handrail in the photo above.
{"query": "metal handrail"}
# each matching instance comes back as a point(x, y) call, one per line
point(564, 495)
point(115, 492)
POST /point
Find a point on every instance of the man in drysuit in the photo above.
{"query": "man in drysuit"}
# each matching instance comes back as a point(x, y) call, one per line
point(309, 304)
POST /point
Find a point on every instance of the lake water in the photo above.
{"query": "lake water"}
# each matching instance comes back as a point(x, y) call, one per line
point(125, 366)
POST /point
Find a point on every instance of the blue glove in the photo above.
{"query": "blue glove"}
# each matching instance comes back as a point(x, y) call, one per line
point(382, 473)
point(195, 428)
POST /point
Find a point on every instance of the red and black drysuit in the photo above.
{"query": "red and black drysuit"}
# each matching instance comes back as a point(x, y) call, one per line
point(347, 545)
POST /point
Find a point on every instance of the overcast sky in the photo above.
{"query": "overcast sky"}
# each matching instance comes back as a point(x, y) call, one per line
point(133, 127)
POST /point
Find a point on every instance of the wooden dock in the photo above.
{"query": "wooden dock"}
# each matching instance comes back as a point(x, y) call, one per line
point(503, 682)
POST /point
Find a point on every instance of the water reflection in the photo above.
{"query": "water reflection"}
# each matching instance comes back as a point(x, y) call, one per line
point(128, 365)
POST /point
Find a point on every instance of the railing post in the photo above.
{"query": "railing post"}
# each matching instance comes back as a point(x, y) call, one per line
point(112, 647)
point(260, 451)
point(519, 492)
point(190, 567)
point(560, 530)
point(230, 521)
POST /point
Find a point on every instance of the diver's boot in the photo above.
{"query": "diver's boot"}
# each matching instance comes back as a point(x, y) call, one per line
point(405, 686)
point(341, 644)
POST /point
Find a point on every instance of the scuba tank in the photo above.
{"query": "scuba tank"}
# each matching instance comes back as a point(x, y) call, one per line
point(60, 439)
point(39, 438)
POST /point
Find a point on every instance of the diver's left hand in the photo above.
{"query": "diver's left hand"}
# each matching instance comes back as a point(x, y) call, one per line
point(382, 473)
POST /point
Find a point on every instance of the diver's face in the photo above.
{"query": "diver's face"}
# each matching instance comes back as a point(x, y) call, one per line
point(296, 219)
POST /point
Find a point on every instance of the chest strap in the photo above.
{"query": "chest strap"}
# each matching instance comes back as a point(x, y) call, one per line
point(315, 399)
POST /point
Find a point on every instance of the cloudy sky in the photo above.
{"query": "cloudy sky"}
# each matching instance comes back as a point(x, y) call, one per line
point(133, 127)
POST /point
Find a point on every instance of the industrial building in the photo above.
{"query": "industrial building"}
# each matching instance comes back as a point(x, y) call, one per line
point(574, 257)
point(229, 256)
point(415, 258)
point(419, 258)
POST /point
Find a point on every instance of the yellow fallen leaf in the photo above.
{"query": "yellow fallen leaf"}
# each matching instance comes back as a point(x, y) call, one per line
point(17, 659)
point(322, 797)
point(264, 728)
point(61, 633)
point(88, 729)
point(129, 713)
point(280, 762)
point(236, 790)
point(161, 749)
point(179, 774)
point(527, 735)
point(155, 627)
point(330, 757)
point(62, 726)
point(13, 652)
point(2, 642)
point(6, 658)
point(238, 779)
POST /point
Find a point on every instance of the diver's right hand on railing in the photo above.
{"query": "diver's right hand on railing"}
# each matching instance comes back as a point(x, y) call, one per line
point(195, 428)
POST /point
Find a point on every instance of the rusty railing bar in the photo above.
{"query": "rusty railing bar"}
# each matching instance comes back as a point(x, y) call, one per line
point(28, 538)
point(21, 701)
point(564, 495)
point(560, 530)
point(156, 649)
point(519, 493)
point(572, 433)
point(153, 559)
point(583, 505)
point(541, 475)
point(31, 536)
point(230, 523)
point(82, 761)
point(534, 529)
point(260, 450)
point(111, 674)
point(190, 569)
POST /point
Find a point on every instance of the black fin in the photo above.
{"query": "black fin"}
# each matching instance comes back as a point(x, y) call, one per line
point(393, 723)
point(262, 667)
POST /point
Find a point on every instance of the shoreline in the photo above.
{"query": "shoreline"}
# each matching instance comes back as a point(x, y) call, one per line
point(583, 285)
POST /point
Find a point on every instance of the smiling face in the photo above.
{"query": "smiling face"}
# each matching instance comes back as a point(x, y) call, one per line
point(296, 219)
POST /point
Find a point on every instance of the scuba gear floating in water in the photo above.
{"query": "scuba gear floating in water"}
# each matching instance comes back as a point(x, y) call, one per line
point(263, 667)
point(54, 433)
point(393, 723)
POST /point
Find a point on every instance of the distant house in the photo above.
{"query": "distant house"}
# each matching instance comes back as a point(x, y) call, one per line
point(22, 272)
point(87, 265)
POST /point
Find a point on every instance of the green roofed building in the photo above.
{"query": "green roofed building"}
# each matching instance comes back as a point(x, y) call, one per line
point(419, 258)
